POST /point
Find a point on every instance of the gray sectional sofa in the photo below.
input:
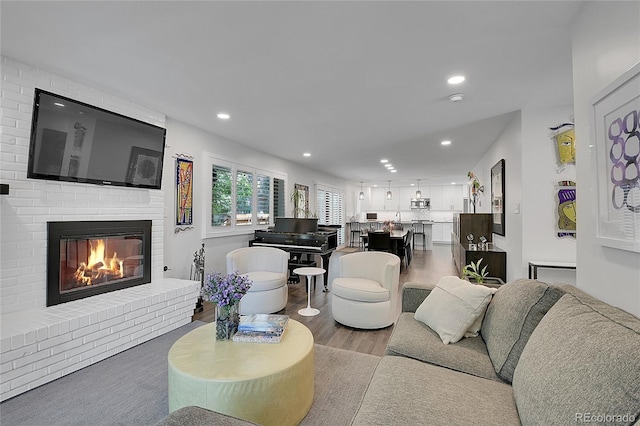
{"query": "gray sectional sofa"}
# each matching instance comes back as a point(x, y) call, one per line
point(545, 355)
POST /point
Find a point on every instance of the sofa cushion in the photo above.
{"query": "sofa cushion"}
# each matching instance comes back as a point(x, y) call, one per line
point(513, 314)
point(413, 339)
point(404, 391)
point(359, 289)
point(453, 306)
point(582, 360)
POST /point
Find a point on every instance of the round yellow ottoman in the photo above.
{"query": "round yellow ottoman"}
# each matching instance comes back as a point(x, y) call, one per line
point(269, 384)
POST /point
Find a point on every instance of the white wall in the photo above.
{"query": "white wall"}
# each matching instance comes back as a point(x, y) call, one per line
point(606, 43)
point(540, 174)
point(186, 139)
point(508, 146)
point(32, 203)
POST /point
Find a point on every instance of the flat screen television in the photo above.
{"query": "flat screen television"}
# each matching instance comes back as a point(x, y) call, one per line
point(76, 142)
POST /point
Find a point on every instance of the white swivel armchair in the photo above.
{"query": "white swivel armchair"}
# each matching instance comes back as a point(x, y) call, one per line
point(267, 268)
point(364, 293)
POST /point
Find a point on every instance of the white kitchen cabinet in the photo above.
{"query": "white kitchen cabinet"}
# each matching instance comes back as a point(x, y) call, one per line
point(437, 232)
point(435, 194)
point(452, 197)
point(447, 229)
point(405, 194)
point(378, 195)
point(446, 197)
point(442, 232)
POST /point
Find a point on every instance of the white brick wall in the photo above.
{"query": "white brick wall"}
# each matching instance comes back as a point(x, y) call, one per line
point(43, 344)
point(32, 203)
point(39, 344)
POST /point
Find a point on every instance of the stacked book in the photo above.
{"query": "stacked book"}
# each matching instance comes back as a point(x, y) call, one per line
point(261, 328)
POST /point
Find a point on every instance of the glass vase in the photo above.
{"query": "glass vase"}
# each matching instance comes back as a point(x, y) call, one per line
point(227, 321)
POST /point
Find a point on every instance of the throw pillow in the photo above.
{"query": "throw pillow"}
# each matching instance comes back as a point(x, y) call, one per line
point(515, 311)
point(453, 306)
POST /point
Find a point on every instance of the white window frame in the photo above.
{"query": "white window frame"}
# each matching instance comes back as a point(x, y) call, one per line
point(341, 194)
point(210, 231)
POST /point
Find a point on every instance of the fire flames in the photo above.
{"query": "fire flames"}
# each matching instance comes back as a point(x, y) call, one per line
point(97, 267)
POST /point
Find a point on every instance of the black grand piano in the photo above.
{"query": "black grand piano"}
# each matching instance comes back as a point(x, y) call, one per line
point(300, 237)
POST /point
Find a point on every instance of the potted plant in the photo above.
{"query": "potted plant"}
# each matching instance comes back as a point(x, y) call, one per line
point(472, 272)
point(226, 291)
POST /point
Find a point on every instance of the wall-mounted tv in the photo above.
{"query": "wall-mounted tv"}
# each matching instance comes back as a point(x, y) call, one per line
point(76, 142)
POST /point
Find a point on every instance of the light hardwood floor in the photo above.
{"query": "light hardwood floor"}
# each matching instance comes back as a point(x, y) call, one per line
point(426, 266)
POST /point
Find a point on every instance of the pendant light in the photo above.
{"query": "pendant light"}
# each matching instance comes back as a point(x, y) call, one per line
point(418, 193)
point(361, 195)
point(389, 194)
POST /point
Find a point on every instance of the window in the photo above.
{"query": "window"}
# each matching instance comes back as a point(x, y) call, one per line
point(242, 197)
point(278, 198)
point(221, 196)
point(331, 209)
point(263, 199)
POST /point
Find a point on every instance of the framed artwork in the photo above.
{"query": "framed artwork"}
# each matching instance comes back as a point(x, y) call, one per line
point(184, 192)
point(497, 198)
point(144, 167)
point(300, 200)
point(616, 145)
point(566, 208)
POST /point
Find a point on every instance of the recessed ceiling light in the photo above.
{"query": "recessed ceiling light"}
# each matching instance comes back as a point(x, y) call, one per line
point(453, 183)
point(307, 154)
point(445, 143)
point(393, 170)
point(58, 104)
point(389, 166)
point(384, 160)
point(456, 79)
point(456, 97)
point(223, 116)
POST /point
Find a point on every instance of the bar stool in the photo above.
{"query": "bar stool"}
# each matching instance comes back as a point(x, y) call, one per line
point(355, 233)
point(418, 229)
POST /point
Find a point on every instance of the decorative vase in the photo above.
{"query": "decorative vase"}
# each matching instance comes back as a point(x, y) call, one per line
point(227, 321)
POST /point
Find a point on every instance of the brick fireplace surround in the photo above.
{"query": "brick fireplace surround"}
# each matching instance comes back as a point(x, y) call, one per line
point(39, 344)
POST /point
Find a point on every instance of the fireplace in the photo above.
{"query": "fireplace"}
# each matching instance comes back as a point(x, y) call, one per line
point(93, 257)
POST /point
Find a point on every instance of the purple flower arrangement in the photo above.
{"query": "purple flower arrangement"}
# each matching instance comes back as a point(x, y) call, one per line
point(225, 290)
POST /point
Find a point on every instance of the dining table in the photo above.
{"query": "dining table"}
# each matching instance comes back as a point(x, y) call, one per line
point(397, 238)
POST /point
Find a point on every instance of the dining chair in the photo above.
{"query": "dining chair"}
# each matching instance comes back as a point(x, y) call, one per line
point(379, 241)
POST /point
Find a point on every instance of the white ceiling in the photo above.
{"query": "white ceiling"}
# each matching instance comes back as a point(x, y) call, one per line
point(350, 82)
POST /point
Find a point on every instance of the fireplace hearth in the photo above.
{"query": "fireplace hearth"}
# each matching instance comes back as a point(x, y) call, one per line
point(92, 257)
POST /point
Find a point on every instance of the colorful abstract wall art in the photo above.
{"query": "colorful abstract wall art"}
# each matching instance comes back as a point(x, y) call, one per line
point(184, 185)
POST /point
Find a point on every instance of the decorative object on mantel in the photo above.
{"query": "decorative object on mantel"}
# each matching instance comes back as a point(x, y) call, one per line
point(184, 194)
point(475, 188)
point(564, 138)
point(566, 208)
point(226, 291)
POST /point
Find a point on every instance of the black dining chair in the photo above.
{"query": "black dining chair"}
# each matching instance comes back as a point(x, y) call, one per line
point(379, 241)
point(404, 249)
